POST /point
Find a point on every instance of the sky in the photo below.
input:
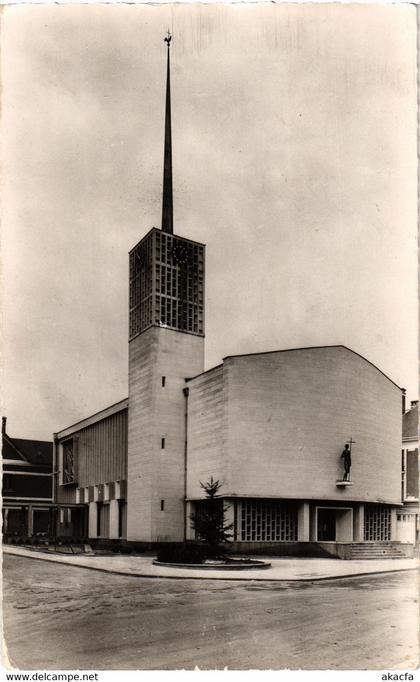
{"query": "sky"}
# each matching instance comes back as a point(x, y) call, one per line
point(294, 155)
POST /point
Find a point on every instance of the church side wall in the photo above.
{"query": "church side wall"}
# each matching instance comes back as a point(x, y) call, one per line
point(206, 417)
point(289, 415)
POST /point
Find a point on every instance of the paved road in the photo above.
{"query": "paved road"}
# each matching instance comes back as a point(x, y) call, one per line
point(61, 617)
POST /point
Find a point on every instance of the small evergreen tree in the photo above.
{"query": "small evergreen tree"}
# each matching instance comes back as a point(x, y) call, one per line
point(210, 520)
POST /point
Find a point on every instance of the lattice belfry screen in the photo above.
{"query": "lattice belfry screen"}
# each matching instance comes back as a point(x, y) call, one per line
point(167, 284)
point(377, 523)
point(179, 284)
point(141, 283)
point(268, 522)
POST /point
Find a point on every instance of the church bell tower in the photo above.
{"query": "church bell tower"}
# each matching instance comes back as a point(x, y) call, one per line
point(166, 345)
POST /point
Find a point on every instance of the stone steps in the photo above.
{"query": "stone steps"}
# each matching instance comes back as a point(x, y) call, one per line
point(379, 555)
point(381, 550)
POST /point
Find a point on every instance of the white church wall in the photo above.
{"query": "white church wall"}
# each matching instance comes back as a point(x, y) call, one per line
point(289, 415)
point(206, 429)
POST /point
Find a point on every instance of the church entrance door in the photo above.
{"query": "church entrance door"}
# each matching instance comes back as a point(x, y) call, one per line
point(326, 525)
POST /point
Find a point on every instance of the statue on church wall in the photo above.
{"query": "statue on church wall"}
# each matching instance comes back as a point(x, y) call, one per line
point(346, 457)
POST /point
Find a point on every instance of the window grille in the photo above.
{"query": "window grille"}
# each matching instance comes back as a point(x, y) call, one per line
point(268, 522)
point(377, 523)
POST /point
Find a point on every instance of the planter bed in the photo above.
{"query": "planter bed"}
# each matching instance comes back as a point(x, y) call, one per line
point(233, 565)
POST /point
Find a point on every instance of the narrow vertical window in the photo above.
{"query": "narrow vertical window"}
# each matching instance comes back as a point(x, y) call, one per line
point(163, 382)
point(99, 513)
point(120, 517)
point(162, 505)
point(162, 443)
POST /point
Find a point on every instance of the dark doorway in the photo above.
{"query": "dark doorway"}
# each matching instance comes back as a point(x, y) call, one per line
point(15, 521)
point(41, 522)
point(326, 525)
point(79, 522)
point(102, 530)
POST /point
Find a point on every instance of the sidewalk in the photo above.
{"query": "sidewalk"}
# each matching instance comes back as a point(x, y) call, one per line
point(286, 569)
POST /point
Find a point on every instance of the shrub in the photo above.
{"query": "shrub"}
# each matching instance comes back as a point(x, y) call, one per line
point(126, 549)
point(182, 554)
point(138, 549)
point(209, 521)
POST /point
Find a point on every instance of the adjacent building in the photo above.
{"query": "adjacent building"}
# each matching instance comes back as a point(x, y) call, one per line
point(408, 515)
point(27, 490)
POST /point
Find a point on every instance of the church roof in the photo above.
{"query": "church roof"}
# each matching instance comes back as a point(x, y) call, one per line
point(92, 419)
point(32, 451)
point(291, 350)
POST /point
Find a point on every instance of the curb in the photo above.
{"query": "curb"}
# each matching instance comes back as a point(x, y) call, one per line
point(195, 577)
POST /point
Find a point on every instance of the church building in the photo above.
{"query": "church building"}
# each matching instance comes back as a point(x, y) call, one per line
point(271, 427)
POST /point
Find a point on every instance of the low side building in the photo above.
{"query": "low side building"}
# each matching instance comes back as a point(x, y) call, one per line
point(91, 475)
point(27, 485)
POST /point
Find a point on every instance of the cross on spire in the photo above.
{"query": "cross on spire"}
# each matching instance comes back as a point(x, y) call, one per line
point(167, 198)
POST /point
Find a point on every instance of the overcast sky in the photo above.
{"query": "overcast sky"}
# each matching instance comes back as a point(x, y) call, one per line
point(294, 145)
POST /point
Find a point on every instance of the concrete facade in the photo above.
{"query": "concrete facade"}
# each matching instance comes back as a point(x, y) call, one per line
point(271, 428)
point(280, 421)
point(156, 467)
point(206, 430)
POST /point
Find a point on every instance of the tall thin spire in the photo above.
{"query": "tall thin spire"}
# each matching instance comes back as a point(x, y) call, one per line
point(167, 199)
